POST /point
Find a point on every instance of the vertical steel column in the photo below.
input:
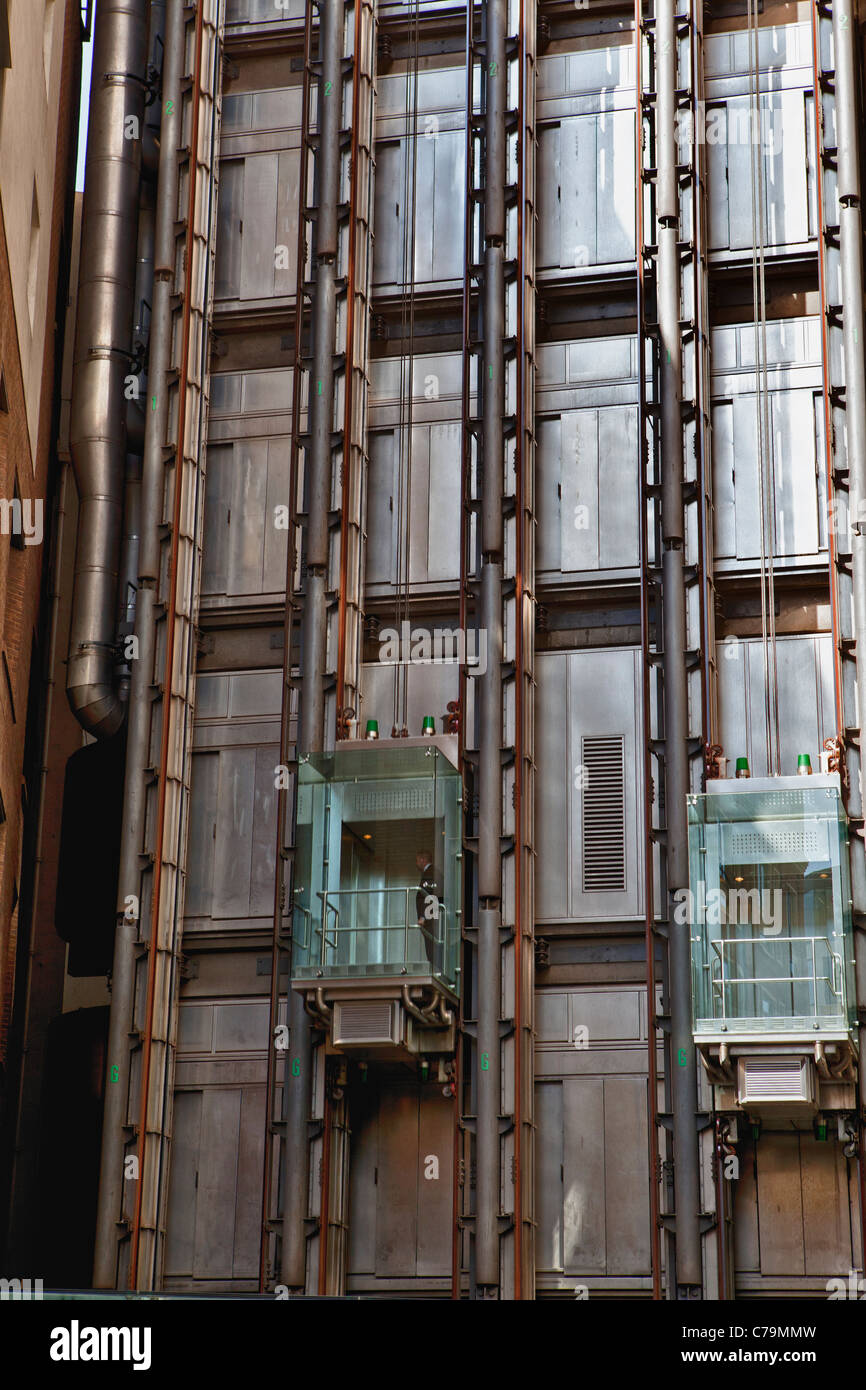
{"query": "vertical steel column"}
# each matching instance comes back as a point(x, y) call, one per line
point(315, 622)
point(110, 1225)
point(838, 103)
point(176, 613)
point(851, 288)
point(314, 626)
point(674, 627)
point(488, 1177)
point(330, 628)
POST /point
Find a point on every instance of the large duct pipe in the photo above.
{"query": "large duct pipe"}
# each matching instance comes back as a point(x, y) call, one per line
point(489, 689)
point(298, 1087)
point(106, 282)
point(114, 1134)
point(676, 716)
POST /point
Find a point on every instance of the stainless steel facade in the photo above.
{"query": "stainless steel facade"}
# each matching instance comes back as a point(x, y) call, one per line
point(456, 377)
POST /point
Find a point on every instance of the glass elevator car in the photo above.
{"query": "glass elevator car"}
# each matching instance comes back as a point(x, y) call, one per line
point(378, 889)
point(771, 934)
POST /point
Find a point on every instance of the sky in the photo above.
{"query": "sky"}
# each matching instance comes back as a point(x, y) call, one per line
point(86, 64)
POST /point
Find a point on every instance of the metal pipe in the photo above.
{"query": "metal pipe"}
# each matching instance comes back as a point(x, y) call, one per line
point(311, 734)
point(489, 1083)
point(102, 361)
point(851, 272)
point(489, 694)
point(111, 1182)
point(676, 716)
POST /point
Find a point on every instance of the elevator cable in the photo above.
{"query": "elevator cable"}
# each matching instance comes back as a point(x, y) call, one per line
point(766, 468)
point(407, 364)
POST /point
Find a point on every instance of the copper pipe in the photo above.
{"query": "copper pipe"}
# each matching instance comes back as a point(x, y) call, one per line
point(147, 1041)
point(462, 613)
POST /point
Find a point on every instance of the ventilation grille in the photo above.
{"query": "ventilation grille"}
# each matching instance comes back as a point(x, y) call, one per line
point(603, 761)
point(369, 803)
point(808, 844)
point(364, 1021)
point(775, 1078)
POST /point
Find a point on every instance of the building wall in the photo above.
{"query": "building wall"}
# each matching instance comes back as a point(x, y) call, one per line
point(38, 140)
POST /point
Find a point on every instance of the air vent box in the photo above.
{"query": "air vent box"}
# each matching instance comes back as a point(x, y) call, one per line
point(781, 1085)
point(366, 1023)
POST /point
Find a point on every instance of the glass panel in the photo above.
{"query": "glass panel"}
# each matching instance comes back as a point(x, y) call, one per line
point(378, 866)
point(769, 908)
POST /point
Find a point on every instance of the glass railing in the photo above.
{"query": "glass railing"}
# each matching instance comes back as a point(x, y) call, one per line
point(376, 931)
point(756, 982)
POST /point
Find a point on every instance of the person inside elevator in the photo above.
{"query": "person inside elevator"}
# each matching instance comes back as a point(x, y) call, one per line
point(427, 900)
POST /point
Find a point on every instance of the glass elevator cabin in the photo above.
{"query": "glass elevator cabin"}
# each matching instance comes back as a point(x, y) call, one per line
point(378, 891)
point(771, 937)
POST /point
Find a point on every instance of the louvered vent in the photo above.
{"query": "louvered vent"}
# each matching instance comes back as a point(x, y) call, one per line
point(364, 1021)
point(774, 1079)
point(603, 760)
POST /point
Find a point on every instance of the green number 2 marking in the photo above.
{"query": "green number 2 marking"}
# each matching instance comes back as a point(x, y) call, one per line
point(328, 86)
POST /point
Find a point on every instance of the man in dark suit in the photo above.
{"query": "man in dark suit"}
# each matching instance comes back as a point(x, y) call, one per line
point(427, 900)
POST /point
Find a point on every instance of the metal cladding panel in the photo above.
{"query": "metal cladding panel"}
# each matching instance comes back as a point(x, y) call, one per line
point(438, 224)
point(214, 1202)
point(586, 158)
point(587, 457)
point(258, 199)
point(586, 192)
point(796, 422)
point(552, 831)
point(582, 697)
point(592, 1184)
point(263, 11)
point(400, 1185)
point(229, 222)
point(232, 829)
point(431, 687)
point(434, 505)
point(806, 703)
point(791, 1213)
point(244, 550)
point(182, 1194)
point(782, 130)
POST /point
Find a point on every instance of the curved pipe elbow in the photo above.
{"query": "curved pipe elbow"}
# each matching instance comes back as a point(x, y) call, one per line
point(92, 694)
